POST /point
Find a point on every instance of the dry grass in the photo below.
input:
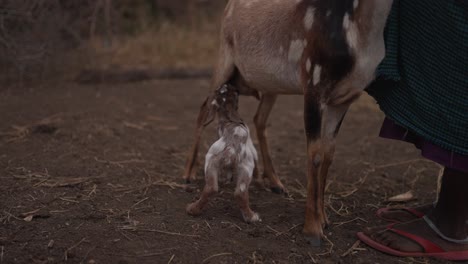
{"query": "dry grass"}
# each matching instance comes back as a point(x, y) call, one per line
point(166, 45)
point(105, 33)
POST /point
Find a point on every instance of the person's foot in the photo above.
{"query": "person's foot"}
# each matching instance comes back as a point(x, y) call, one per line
point(419, 228)
point(403, 215)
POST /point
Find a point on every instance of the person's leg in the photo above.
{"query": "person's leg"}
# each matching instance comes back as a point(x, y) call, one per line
point(449, 216)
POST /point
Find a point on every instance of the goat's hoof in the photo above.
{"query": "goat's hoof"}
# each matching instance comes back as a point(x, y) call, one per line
point(314, 240)
point(278, 190)
point(253, 219)
point(193, 209)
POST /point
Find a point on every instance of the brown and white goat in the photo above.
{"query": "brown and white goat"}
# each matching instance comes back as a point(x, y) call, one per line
point(232, 156)
point(326, 50)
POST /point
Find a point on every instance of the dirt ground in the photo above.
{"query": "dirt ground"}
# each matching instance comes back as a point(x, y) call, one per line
point(92, 174)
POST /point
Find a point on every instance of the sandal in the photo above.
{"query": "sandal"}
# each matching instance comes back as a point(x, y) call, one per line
point(430, 248)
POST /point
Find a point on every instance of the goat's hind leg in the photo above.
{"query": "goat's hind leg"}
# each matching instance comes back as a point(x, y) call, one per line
point(210, 189)
point(244, 177)
point(266, 104)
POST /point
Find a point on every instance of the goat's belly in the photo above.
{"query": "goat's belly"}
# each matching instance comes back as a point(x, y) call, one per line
point(267, 57)
point(270, 74)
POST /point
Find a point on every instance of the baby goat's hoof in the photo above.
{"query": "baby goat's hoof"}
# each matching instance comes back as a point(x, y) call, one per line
point(193, 209)
point(253, 218)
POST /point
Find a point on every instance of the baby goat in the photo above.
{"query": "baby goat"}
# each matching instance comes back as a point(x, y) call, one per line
point(232, 156)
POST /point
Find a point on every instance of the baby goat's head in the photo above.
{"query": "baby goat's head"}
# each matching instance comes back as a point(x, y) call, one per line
point(226, 98)
point(224, 102)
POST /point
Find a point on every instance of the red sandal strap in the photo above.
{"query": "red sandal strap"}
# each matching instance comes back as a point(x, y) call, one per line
point(428, 246)
point(414, 212)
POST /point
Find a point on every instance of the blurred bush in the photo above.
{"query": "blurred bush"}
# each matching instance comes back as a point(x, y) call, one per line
point(36, 35)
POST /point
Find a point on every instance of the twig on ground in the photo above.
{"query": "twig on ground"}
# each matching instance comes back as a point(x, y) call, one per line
point(19, 133)
point(352, 220)
point(139, 202)
point(287, 231)
point(351, 249)
point(63, 182)
point(311, 258)
point(72, 247)
point(170, 260)
point(342, 208)
point(347, 193)
point(208, 225)
point(277, 233)
point(166, 232)
point(68, 200)
point(31, 212)
point(232, 225)
point(119, 163)
point(125, 235)
point(93, 190)
point(11, 216)
point(330, 249)
point(216, 255)
point(137, 256)
point(401, 163)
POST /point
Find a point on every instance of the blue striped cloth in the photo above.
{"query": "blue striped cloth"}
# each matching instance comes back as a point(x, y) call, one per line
point(422, 84)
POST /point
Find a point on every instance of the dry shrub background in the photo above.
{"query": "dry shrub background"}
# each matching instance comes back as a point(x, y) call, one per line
point(55, 39)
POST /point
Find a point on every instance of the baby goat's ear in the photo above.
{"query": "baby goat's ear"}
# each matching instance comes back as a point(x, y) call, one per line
point(209, 109)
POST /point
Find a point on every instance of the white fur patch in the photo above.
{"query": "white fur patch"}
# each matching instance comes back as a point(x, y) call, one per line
point(240, 132)
point(242, 187)
point(317, 74)
point(218, 146)
point(296, 49)
point(229, 11)
point(346, 22)
point(231, 150)
point(256, 218)
point(223, 89)
point(309, 18)
point(352, 35)
point(355, 4)
point(252, 148)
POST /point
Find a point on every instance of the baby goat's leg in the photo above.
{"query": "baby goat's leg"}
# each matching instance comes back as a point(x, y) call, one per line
point(244, 177)
point(210, 189)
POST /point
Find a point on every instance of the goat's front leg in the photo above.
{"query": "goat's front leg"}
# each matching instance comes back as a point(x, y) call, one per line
point(264, 109)
point(205, 116)
point(321, 125)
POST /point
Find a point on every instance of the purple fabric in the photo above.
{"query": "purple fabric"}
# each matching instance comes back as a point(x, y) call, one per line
point(445, 157)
